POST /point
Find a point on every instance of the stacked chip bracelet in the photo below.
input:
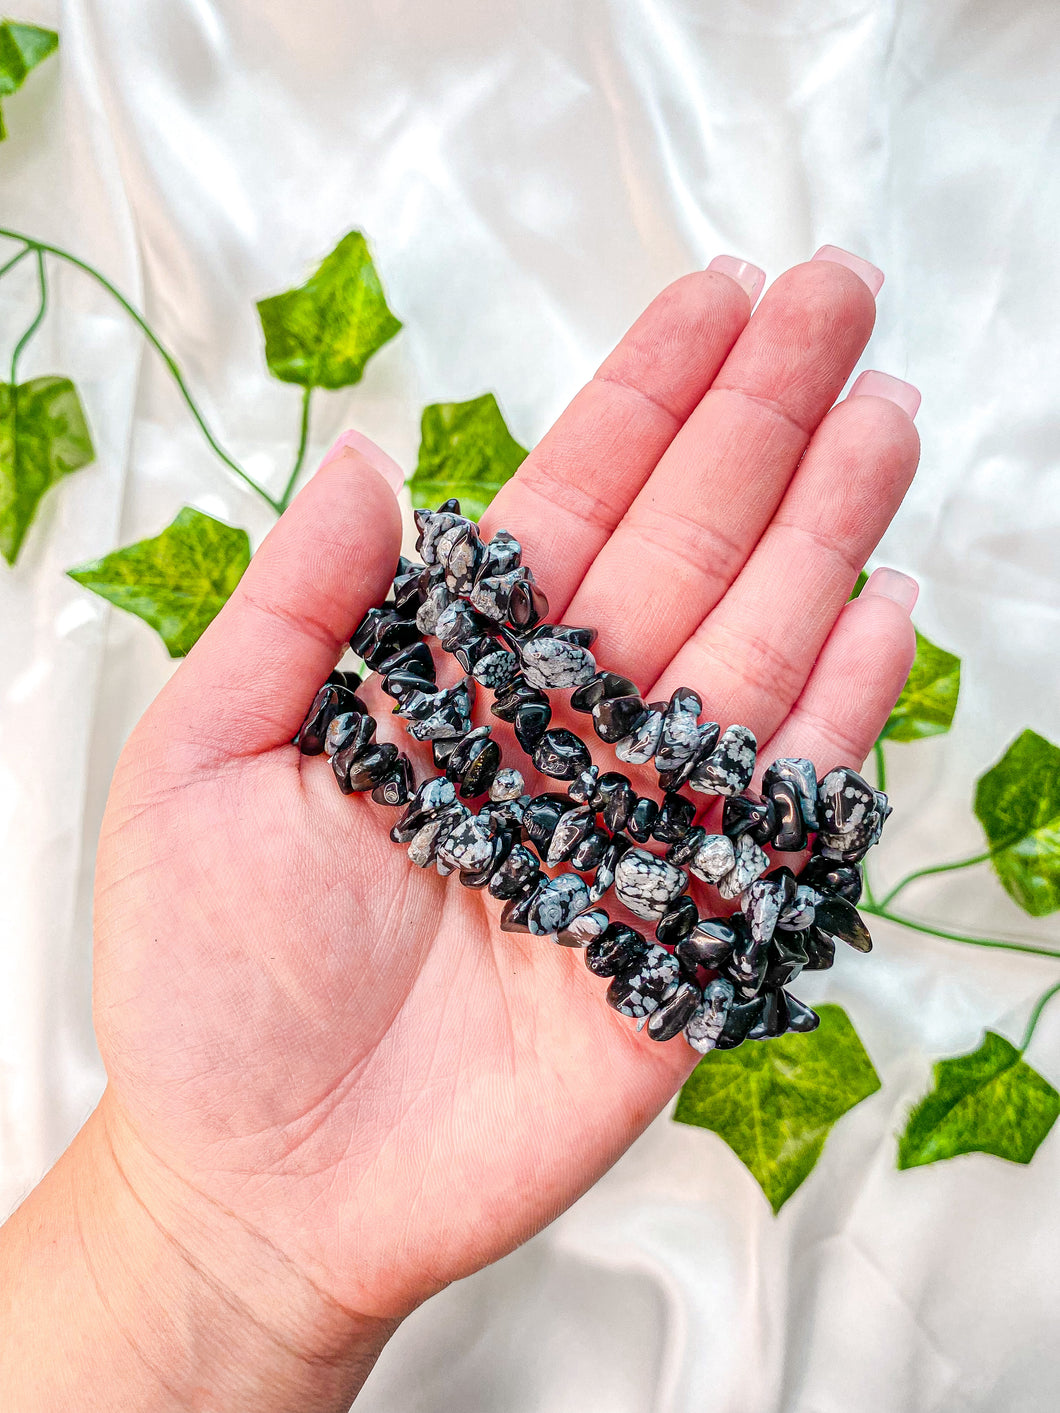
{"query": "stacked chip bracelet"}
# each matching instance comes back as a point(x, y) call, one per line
point(719, 981)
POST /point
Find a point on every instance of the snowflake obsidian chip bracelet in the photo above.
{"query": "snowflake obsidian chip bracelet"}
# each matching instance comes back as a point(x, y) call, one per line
point(552, 858)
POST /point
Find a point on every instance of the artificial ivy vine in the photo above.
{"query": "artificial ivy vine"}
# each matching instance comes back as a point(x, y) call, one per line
point(773, 1104)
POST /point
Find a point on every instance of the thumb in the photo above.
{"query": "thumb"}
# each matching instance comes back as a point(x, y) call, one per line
point(248, 682)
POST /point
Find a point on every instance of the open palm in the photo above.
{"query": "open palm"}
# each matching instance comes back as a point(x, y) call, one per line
point(343, 1053)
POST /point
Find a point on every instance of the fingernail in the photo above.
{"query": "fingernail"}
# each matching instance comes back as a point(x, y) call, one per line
point(894, 585)
point(387, 467)
point(749, 277)
point(874, 384)
point(869, 273)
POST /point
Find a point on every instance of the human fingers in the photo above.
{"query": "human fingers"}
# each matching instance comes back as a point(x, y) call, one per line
point(699, 516)
point(575, 486)
point(246, 685)
point(753, 653)
point(856, 681)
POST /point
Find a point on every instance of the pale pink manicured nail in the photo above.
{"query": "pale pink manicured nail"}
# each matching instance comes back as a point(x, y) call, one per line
point(874, 384)
point(387, 467)
point(869, 273)
point(749, 277)
point(894, 585)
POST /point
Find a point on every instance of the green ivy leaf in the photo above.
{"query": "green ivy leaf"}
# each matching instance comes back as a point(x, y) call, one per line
point(988, 1101)
point(322, 334)
point(22, 47)
point(43, 437)
point(929, 697)
point(467, 451)
point(1017, 802)
point(774, 1103)
point(178, 582)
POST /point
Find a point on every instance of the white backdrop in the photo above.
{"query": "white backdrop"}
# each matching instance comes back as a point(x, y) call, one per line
point(530, 172)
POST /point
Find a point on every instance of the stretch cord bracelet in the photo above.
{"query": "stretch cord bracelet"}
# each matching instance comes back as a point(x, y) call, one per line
point(717, 980)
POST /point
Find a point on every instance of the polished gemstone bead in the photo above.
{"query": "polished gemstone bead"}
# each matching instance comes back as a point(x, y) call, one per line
point(710, 944)
point(492, 593)
point(642, 819)
point(350, 679)
point(527, 605)
point(470, 846)
point(515, 874)
point(540, 818)
point(800, 912)
point(620, 948)
point(604, 876)
point(561, 755)
point(707, 738)
point(431, 609)
point(431, 799)
point(641, 744)
point(680, 730)
point(416, 659)
point(615, 717)
point(639, 991)
point(462, 552)
point(557, 903)
point(801, 775)
point(589, 853)
point(342, 730)
point(330, 701)
point(787, 958)
point(586, 928)
point(704, 1028)
point(459, 624)
point(685, 849)
point(674, 819)
point(507, 784)
point(365, 770)
point(773, 1020)
point(600, 686)
point(515, 694)
point(503, 553)
point(747, 814)
point(445, 722)
point(583, 787)
point(373, 630)
point(516, 912)
point(531, 723)
point(432, 525)
point(396, 788)
point(840, 921)
point(672, 1015)
point(354, 745)
point(466, 750)
point(477, 777)
point(714, 859)
point(408, 592)
point(646, 884)
point(509, 813)
point(845, 800)
point(423, 848)
point(827, 876)
point(550, 663)
point(730, 765)
point(762, 903)
point(580, 637)
point(800, 1017)
point(569, 832)
point(403, 681)
point(743, 1016)
point(495, 668)
point(850, 847)
point(746, 967)
point(614, 798)
point(789, 833)
point(750, 863)
point(502, 847)
point(677, 922)
point(442, 750)
point(820, 950)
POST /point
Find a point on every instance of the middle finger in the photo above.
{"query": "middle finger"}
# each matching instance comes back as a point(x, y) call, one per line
point(687, 534)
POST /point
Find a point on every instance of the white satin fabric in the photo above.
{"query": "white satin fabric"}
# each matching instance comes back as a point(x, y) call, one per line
point(531, 172)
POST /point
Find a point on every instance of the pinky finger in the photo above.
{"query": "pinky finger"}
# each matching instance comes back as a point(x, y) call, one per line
point(858, 677)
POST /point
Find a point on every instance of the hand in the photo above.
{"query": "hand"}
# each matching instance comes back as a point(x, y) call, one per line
point(340, 1056)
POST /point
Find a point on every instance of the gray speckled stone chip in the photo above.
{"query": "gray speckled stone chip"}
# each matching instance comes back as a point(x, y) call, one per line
point(646, 884)
point(552, 662)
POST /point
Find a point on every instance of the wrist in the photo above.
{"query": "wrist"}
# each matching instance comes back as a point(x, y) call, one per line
point(146, 1295)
